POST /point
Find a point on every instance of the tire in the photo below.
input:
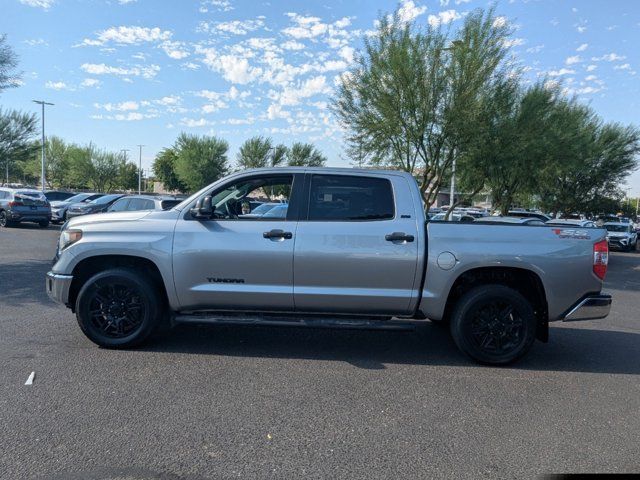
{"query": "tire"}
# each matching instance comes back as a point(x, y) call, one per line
point(4, 221)
point(44, 223)
point(493, 324)
point(111, 296)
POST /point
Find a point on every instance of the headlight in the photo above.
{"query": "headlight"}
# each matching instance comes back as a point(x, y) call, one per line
point(68, 237)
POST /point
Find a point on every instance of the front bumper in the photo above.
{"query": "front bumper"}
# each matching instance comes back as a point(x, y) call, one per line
point(58, 287)
point(590, 308)
point(619, 243)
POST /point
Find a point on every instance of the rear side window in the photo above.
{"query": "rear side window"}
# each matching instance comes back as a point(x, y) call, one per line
point(140, 204)
point(350, 198)
point(167, 204)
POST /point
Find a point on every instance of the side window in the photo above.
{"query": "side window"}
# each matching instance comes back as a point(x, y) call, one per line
point(120, 205)
point(138, 204)
point(243, 200)
point(350, 198)
point(149, 205)
point(3, 195)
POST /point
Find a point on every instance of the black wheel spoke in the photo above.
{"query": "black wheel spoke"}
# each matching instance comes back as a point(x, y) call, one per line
point(116, 309)
point(495, 326)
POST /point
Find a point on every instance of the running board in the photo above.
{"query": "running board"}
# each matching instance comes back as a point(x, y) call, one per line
point(293, 321)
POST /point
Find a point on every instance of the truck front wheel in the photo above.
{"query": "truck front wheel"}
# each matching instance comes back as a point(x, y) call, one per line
point(118, 308)
point(493, 324)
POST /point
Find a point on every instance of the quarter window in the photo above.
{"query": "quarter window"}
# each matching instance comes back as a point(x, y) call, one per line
point(350, 198)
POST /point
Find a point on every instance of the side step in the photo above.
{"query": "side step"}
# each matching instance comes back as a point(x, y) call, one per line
point(367, 323)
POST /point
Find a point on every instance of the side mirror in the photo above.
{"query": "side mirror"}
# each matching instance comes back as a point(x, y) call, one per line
point(203, 208)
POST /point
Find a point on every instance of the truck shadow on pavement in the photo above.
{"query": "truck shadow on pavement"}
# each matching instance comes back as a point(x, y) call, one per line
point(569, 349)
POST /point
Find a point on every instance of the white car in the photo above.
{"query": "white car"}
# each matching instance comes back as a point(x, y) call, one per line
point(621, 236)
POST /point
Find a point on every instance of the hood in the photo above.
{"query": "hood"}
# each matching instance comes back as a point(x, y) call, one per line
point(79, 222)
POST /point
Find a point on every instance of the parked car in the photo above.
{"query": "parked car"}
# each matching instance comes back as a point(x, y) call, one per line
point(23, 205)
point(565, 222)
point(99, 205)
point(453, 217)
point(351, 252)
point(57, 195)
point(59, 208)
point(528, 213)
point(131, 203)
point(260, 210)
point(511, 220)
point(621, 236)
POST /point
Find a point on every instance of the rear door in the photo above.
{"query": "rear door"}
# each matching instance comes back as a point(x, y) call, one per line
point(356, 248)
point(233, 262)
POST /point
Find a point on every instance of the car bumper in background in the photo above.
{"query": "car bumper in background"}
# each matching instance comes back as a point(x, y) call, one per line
point(28, 216)
point(58, 287)
point(590, 308)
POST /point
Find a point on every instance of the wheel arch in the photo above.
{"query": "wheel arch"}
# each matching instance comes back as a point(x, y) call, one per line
point(89, 266)
point(526, 282)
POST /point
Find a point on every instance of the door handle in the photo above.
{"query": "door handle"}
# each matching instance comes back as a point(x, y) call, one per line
point(399, 237)
point(278, 234)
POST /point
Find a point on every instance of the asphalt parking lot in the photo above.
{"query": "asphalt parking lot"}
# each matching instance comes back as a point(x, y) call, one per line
point(239, 402)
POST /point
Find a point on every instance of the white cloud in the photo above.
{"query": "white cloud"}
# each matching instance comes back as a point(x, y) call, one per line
point(129, 36)
point(312, 86)
point(590, 78)
point(513, 42)
point(591, 68)
point(562, 71)
point(175, 50)
point(135, 71)
point(193, 123)
point(535, 49)
point(573, 60)
point(220, 5)
point(408, 10)
point(609, 57)
point(233, 68)
point(118, 107)
point(500, 21)
point(625, 66)
point(44, 4)
point(124, 2)
point(169, 100)
point(292, 45)
point(275, 111)
point(236, 27)
point(57, 85)
point(90, 82)
point(582, 47)
point(36, 41)
point(586, 90)
point(444, 17)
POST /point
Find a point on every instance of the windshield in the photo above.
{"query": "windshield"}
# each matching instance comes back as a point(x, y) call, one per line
point(78, 198)
point(27, 193)
point(616, 228)
point(104, 199)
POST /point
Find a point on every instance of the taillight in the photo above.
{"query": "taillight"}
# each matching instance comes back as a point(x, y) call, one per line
point(600, 258)
point(16, 204)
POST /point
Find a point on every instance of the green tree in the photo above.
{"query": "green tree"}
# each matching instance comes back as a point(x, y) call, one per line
point(164, 168)
point(305, 155)
point(8, 62)
point(127, 175)
point(259, 152)
point(588, 159)
point(414, 94)
point(200, 160)
point(80, 168)
point(57, 161)
point(17, 133)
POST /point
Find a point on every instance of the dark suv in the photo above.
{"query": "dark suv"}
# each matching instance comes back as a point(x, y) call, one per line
point(23, 205)
point(98, 205)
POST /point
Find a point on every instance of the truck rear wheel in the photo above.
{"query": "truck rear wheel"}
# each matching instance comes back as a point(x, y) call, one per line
point(118, 308)
point(493, 324)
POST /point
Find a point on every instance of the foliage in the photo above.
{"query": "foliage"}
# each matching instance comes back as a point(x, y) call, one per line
point(305, 155)
point(164, 168)
point(200, 160)
point(412, 99)
point(17, 132)
point(8, 62)
point(259, 152)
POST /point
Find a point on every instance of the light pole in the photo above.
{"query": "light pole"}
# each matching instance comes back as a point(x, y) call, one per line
point(140, 171)
point(43, 103)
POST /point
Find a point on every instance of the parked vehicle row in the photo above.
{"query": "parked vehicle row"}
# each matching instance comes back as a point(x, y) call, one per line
point(23, 205)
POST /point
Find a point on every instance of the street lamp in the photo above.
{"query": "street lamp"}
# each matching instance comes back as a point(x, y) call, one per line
point(43, 103)
point(140, 171)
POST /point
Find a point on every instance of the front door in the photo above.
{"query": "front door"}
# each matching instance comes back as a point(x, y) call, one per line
point(356, 249)
point(239, 260)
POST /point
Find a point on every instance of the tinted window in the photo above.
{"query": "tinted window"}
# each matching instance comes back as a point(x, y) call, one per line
point(167, 204)
point(341, 197)
point(141, 204)
point(120, 205)
point(105, 199)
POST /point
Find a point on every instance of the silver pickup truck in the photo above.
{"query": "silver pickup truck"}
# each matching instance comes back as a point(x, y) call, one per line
point(342, 248)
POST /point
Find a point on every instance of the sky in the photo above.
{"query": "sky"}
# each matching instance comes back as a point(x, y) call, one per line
point(128, 72)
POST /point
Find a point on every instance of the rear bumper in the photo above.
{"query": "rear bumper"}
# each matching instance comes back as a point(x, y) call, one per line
point(28, 216)
point(58, 286)
point(590, 308)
